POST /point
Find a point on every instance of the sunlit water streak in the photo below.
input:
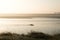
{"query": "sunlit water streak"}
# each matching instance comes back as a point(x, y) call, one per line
point(45, 25)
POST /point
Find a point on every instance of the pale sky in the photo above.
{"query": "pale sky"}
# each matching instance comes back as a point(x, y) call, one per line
point(29, 6)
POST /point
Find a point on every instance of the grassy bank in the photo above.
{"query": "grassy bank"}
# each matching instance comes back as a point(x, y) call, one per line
point(29, 36)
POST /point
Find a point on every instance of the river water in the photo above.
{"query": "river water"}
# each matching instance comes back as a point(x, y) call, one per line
point(22, 25)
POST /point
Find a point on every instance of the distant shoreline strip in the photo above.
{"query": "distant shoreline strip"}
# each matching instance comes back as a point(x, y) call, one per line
point(29, 15)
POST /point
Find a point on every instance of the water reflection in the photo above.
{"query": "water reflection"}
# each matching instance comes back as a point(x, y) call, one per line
point(46, 25)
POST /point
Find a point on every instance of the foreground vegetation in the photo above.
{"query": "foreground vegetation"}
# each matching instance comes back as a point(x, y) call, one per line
point(29, 36)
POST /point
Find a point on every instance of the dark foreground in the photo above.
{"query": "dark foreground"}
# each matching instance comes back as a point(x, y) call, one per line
point(29, 36)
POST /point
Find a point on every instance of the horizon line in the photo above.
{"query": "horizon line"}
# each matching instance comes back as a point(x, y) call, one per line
point(29, 15)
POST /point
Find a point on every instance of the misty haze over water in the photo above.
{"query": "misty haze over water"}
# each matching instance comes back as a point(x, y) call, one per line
point(45, 25)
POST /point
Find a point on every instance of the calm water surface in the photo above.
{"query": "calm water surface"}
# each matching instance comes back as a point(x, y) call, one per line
point(46, 25)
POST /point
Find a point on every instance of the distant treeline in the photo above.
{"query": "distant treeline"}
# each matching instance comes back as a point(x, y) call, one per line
point(29, 36)
point(44, 15)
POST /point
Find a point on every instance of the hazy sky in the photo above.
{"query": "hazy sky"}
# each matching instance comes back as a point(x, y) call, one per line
point(29, 6)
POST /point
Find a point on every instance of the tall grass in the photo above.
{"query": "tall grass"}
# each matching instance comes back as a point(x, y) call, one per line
point(29, 36)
